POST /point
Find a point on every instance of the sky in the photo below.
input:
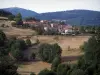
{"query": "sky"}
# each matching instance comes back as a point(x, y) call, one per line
point(41, 6)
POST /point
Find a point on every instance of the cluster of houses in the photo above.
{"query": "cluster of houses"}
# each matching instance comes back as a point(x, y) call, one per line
point(52, 26)
point(46, 25)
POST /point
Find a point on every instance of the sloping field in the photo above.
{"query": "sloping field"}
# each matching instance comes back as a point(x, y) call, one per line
point(72, 42)
point(67, 55)
point(19, 33)
point(65, 42)
point(69, 44)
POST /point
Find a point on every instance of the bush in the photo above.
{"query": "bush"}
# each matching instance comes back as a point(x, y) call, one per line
point(55, 63)
point(46, 72)
point(77, 72)
point(17, 47)
point(81, 62)
point(28, 42)
point(21, 44)
point(48, 52)
point(13, 24)
point(11, 17)
point(33, 55)
point(32, 73)
point(16, 53)
point(37, 41)
point(7, 64)
point(90, 69)
point(83, 46)
point(62, 69)
point(2, 38)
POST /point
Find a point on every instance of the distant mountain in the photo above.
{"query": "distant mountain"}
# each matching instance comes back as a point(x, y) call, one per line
point(75, 17)
point(24, 12)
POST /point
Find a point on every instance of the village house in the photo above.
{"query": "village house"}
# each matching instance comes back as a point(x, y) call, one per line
point(29, 22)
point(65, 29)
point(51, 27)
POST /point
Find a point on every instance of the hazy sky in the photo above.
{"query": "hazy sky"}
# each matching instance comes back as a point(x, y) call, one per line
point(52, 5)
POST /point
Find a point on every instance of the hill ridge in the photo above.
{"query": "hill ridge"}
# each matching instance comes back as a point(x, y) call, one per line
point(73, 17)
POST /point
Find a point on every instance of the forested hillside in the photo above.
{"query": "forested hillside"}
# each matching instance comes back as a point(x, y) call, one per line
point(73, 17)
point(24, 12)
point(76, 17)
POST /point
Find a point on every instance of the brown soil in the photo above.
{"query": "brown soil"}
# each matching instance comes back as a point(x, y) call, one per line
point(28, 67)
point(73, 42)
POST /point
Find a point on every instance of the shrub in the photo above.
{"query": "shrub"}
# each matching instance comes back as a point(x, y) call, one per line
point(90, 69)
point(33, 55)
point(46, 72)
point(17, 47)
point(2, 38)
point(13, 24)
point(48, 52)
point(62, 69)
point(81, 62)
point(32, 73)
point(16, 53)
point(11, 17)
point(55, 63)
point(83, 46)
point(7, 64)
point(28, 42)
point(37, 41)
point(77, 72)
